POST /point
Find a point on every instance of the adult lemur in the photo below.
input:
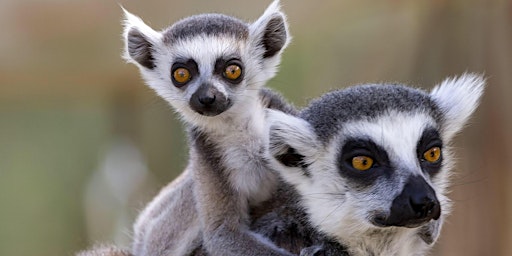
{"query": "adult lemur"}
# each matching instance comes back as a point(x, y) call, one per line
point(210, 68)
point(371, 165)
point(367, 167)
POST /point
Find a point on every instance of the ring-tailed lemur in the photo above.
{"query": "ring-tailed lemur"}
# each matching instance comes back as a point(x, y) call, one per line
point(210, 68)
point(371, 165)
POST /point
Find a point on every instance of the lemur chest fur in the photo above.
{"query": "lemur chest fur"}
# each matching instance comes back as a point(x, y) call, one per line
point(237, 151)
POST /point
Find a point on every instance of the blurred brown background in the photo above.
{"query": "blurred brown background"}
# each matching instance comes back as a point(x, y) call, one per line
point(84, 144)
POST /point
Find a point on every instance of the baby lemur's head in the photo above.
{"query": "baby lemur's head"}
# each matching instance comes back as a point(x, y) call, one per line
point(208, 65)
point(373, 159)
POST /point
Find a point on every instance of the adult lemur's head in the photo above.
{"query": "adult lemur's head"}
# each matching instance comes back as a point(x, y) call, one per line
point(208, 65)
point(372, 162)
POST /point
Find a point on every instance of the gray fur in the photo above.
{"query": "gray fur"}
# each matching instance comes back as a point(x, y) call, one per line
point(273, 100)
point(331, 110)
point(207, 25)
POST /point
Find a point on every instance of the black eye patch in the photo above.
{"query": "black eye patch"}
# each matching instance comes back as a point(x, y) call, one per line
point(189, 64)
point(429, 139)
point(220, 68)
point(355, 147)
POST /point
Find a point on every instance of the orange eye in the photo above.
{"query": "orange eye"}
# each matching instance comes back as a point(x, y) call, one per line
point(362, 163)
point(181, 75)
point(232, 72)
point(432, 155)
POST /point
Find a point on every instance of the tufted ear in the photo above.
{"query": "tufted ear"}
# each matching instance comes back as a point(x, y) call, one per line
point(458, 98)
point(292, 143)
point(140, 41)
point(269, 35)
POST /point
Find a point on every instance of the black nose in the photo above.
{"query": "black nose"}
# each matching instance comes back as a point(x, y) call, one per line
point(208, 101)
point(425, 205)
point(415, 205)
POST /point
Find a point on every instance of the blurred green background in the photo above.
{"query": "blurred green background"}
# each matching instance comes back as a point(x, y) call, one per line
point(84, 144)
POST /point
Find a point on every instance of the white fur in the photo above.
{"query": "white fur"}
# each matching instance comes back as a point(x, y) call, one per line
point(295, 130)
point(205, 50)
point(287, 130)
point(133, 22)
point(243, 143)
point(458, 98)
point(257, 28)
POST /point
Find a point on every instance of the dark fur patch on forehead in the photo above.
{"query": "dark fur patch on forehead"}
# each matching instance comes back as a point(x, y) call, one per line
point(364, 102)
point(206, 24)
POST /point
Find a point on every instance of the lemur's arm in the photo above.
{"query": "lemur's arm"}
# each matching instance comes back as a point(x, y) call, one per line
point(169, 224)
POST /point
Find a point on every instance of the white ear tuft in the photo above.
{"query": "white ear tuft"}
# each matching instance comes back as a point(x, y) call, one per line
point(273, 7)
point(139, 38)
point(290, 132)
point(132, 21)
point(292, 146)
point(272, 26)
point(458, 98)
point(268, 37)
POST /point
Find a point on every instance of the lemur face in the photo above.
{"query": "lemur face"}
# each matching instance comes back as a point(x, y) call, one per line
point(205, 73)
point(375, 157)
point(388, 163)
point(210, 64)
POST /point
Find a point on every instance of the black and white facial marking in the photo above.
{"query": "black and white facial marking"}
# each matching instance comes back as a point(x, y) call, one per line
point(372, 162)
point(208, 65)
point(381, 166)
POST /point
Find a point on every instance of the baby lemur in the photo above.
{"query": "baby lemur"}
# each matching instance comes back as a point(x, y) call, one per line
point(210, 68)
point(371, 165)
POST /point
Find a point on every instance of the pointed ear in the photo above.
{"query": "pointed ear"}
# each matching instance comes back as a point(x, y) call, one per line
point(292, 140)
point(269, 34)
point(140, 41)
point(458, 98)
